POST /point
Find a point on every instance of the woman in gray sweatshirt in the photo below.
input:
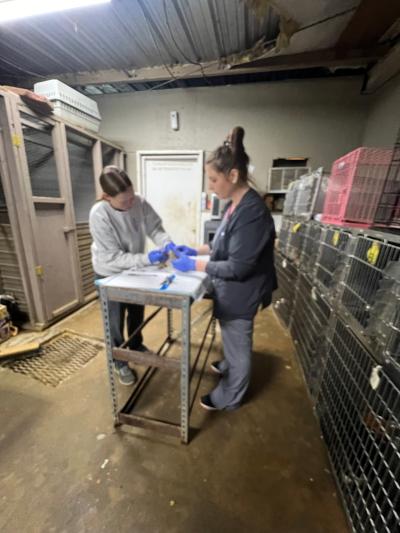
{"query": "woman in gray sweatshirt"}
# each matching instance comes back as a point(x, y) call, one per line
point(119, 225)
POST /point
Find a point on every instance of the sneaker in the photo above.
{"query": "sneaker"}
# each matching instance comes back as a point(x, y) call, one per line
point(215, 367)
point(206, 403)
point(125, 375)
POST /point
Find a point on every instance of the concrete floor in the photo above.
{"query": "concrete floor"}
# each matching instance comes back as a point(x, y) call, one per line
point(262, 468)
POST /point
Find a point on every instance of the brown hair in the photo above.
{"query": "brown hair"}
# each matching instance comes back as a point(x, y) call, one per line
point(114, 180)
point(231, 155)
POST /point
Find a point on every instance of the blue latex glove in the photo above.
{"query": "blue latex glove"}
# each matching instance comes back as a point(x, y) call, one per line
point(184, 263)
point(170, 247)
point(182, 248)
point(157, 256)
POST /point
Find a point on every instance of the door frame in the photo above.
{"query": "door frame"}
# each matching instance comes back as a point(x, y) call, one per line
point(28, 218)
point(143, 155)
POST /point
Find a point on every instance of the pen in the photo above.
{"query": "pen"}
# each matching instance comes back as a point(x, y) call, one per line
point(167, 282)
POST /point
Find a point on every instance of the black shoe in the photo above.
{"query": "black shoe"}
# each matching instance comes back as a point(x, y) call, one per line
point(206, 403)
point(141, 348)
point(215, 367)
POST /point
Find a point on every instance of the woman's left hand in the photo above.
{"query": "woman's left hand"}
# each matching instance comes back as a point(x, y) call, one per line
point(186, 250)
point(184, 263)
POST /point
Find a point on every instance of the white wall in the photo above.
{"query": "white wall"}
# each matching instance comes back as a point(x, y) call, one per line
point(383, 119)
point(318, 119)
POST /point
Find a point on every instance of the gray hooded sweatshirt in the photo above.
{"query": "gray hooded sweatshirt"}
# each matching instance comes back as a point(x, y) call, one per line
point(119, 237)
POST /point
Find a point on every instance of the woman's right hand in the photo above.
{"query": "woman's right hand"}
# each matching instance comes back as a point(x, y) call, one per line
point(157, 256)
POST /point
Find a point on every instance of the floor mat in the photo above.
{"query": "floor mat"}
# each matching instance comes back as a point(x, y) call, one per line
point(58, 358)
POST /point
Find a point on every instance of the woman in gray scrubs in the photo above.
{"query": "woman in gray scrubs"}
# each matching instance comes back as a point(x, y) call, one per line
point(119, 225)
point(241, 268)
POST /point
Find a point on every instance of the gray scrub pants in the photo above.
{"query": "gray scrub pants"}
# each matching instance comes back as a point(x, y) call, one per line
point(237, 340)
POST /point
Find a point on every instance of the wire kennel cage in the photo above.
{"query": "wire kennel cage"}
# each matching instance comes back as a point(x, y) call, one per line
point(284, 236)
point(332, 258)
point(310, 250)
point(359, 410)
point(388, 211)
point(311, 315)
point(287, 278)
point(370, 262)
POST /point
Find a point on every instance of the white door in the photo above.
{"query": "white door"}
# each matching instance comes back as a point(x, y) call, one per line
point(172, 183)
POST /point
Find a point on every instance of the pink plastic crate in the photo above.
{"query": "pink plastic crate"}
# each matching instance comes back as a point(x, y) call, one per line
point(355, 187)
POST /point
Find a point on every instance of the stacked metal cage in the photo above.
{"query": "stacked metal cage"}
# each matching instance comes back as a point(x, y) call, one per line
point(359, 411)
point(331, 259)
point(311, 189)
point(342, 305)
point(287, 275)
point(311, 247)
point(368, 262)
point(311, 314)
point(388, 211)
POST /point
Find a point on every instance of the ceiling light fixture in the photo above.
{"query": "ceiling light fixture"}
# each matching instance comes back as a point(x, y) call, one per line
point(20, 9)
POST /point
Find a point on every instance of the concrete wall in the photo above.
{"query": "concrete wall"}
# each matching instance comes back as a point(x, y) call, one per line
point(383, 119)
point(318, 119)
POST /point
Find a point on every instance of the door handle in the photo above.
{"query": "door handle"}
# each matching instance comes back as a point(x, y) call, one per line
point(68, 229)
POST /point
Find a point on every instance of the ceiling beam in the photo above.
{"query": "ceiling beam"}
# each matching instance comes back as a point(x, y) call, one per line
point(370, 21)
point(319, 58)
point(384, 71)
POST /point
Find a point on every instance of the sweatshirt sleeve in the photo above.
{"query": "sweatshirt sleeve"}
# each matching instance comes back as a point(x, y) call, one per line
point(109, 253)
point(246, 243)
point(154, 227)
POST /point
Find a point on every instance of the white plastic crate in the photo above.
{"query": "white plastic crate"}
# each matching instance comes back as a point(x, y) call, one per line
point(70, 105)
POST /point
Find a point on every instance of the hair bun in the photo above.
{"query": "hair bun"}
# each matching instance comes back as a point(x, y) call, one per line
point(236, 137)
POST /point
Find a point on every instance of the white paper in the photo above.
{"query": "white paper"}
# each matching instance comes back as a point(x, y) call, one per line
point(151, 279)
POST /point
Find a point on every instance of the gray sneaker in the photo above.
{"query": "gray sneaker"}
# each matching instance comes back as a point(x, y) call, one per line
point(126, 376)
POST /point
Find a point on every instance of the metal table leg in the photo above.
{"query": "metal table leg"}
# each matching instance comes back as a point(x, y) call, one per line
point(170, 328)
point(110, 364)
point(185, 364)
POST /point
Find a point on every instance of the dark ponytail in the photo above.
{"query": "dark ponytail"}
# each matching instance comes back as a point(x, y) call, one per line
point(231, 155)
point(114, 180)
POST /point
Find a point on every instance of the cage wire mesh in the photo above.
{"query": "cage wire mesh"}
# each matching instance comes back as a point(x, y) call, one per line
point(310, 195)
point(331, 260)
point(41, 161)
point(384, 320)
point(290, 200)
point(284, 234)
point(388, 211)
point(309, 324)
point(295, 241)
point(311, 245)
point(371, 261)
point(359, 410)
point(287, 276)
point(357, 394)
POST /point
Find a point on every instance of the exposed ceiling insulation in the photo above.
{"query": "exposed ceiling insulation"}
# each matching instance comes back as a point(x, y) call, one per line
point(131, 45)
point(131, 34)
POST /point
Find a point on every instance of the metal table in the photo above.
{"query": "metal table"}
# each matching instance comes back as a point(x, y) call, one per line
point(144, 288)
